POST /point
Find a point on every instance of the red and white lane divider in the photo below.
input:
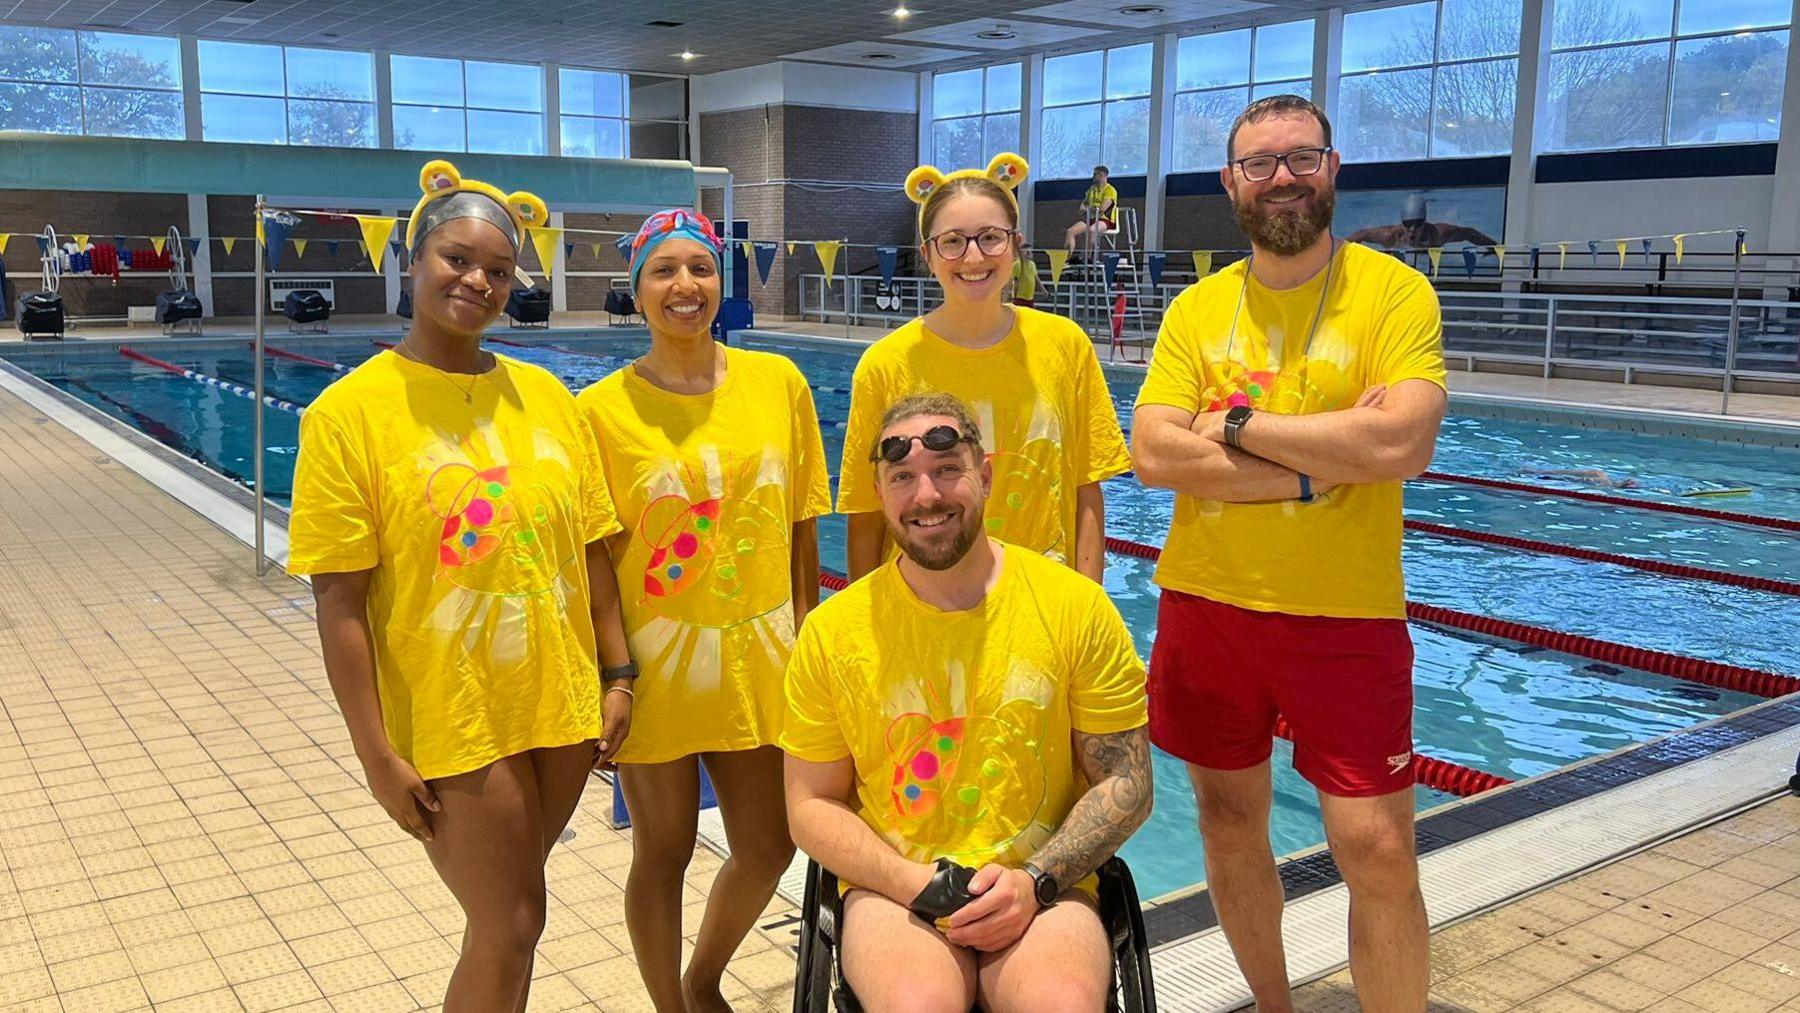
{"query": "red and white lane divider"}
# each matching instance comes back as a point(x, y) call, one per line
point(1734, 517)
point(213, 381)
point(282, 353)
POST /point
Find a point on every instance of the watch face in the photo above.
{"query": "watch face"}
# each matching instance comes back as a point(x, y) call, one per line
point(1046, 889)
point(1237, 414)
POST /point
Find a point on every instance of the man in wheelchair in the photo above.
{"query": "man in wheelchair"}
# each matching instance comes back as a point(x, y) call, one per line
point(966, 744)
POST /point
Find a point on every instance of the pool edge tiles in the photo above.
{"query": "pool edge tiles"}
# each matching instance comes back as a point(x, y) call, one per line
point(1188, 912)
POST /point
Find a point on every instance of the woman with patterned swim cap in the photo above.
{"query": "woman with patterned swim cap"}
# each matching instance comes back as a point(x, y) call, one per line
point(715, 460)
point(450, 507)
point(1032, 378)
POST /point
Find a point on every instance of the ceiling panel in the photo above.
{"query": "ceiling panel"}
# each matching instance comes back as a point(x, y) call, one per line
point(880, 54)
point(1110, 14)
point(1026, 34)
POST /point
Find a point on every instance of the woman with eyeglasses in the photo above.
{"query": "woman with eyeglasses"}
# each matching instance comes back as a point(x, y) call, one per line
point(719, 472)
point(1032, 379)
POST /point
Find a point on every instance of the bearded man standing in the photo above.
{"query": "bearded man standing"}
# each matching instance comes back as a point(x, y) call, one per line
point(1289, 396)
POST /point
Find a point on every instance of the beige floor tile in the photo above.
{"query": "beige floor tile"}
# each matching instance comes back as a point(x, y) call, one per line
point(1615, 990)
point(1757, 978)
point(256, 964)
point(280, 991)
point(1718, 997)
point(184, 980)
point(159, 954)
point(123, 994)
point(218, 1000)
point(384, 998)
point(1564, 1001)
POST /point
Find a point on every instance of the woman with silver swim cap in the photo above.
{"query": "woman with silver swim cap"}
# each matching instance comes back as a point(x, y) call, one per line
point(450, 507)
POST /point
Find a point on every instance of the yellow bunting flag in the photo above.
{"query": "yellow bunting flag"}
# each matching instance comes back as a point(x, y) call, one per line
point(1436, 254)
point(81, 239)
point(1202, 263)
point(262, 242)
point(6, 237)
point(375, 233)
point(1620, 246)
point(1743, 247)
point(546, 241)
point(1562, 255)
point(229, 242)
point(828, 251)
point(299, 248)
point(156, 243)
point(790, 247)
point(1500, 255)
point(748, 248)
point(1059, 259)
point(1680, 241)
point(597, 247)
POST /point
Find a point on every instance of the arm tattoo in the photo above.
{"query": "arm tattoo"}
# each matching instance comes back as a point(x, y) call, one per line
point(1117, 802)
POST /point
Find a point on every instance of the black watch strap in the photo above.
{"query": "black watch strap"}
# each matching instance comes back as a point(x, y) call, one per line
point(629, 670)
point(947, 892)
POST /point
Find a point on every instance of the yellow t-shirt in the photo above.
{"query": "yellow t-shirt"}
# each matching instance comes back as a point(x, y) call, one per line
point(1340, 555)
point(960, 724)
point(1046, 416)
point(1100, 196)
point(474, 516)
point(710, 487)
point(1025, 278)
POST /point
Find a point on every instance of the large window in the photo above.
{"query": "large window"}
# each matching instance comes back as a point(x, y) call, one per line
point(974, 115)
point(54, 81)
point(1645, 73)
point(593, 113)
point(1217, 75)
point(1431, 80)
point(468, 105)
point(1097, 112)
point(264, 94)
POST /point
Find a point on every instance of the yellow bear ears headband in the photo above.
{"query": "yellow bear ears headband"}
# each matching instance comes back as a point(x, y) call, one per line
point(511, 213)
point(1006, 171)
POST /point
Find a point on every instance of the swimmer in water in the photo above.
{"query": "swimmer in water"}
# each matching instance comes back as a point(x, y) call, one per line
point(1587, 476)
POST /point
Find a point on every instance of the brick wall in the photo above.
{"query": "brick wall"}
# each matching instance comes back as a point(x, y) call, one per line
point(365, 292)
point(101, 215)
point(1202, 223)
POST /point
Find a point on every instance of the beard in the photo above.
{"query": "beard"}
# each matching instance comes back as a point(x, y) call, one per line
point(938, 555)
point(1290, 230)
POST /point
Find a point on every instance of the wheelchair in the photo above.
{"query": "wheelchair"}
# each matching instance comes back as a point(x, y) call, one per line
point(819, 984)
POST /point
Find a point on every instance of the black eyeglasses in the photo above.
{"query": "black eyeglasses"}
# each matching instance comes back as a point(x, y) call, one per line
point(954, 245)
point(937, 439)
point(1300, 162)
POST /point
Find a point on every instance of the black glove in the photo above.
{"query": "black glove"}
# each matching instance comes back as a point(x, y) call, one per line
point(947, 892)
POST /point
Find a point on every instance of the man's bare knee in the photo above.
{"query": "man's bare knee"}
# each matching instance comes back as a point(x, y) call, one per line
point(914, 995)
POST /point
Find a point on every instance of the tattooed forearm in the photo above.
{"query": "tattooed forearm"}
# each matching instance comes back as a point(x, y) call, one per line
point(1115, 805)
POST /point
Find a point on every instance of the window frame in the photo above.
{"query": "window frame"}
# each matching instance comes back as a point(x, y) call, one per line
point(984, 114)
point(287, 96)
point(81, 86)
point(623, 119)
point(464, 106)
point(1672, 44)
point(1104, 100)
point(1248, 86)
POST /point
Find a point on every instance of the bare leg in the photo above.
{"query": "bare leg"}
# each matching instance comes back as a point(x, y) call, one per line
point(892, 960)
point(1062, 962)
point(1372, 841)
point(665, 808)
point(562, 774)
point(1240, 876)
point(1073, 235)
point(748, 784)
point(488, 848)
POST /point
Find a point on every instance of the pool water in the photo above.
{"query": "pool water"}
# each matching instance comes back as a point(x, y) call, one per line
point(1500, 707)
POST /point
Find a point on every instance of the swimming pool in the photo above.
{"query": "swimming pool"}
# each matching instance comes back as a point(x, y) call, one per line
point(1494, 705)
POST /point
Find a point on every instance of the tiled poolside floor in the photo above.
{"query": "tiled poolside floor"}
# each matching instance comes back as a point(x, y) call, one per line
point(183, 827)
point(182, 822)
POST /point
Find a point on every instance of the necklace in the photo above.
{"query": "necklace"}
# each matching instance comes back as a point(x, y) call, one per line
point(467, 392)
point(1318, 313)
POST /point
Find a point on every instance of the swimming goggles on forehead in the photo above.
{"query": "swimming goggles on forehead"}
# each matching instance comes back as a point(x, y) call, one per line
point(937, 439)
point(670, 221)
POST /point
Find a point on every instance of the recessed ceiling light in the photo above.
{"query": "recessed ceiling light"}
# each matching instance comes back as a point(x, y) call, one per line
point(688, 54)
point(902, 12)
point(1141, 10)
point(878, 56)
point(999, 33)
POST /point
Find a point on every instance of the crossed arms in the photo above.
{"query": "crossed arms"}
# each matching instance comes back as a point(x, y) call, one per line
point(1388, 435)
point(1117, 768)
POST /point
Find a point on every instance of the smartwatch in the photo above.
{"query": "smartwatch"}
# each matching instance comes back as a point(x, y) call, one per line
point(1043, 885)
point(629, 670)
point(1234, 425)
point(1306, 493)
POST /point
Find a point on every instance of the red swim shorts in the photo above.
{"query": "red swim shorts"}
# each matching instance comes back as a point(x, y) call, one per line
point(1220, 675)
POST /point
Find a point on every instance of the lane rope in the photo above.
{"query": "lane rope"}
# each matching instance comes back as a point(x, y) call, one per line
point(1732, 516)
point(282, 353)
point(212, 381)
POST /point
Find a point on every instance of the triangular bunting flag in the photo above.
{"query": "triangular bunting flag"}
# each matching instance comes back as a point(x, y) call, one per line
point(765, 261)
point(748, 247)
point(1059, 259)
point(1500, 255)
point(827, 250)
point(273, 233)
point(1680, 241)
point(229, 242)
point(597, 247)
point(568, 250)
point(299, 248)
point(1109, 260)
point(1469, 256)
point(261, 240)
point(156, 243)
point(193, 245)
point(1647, 243)
point(1562, 255)
point(1202, 263)
point(1620, 246)
point(331, 247)
point(5, 237)
point(623, 245)
point(119, 241)
point(1436, 253)
point(81, 241)
point(1156, 262)
point(889, 259)
point(43, 244)
point(544, 240)
point(1593, 253)
point(1743, 248)
point(790, 247)
point(375, 233)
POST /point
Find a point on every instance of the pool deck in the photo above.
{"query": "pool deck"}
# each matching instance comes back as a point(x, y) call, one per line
point(186, 827)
